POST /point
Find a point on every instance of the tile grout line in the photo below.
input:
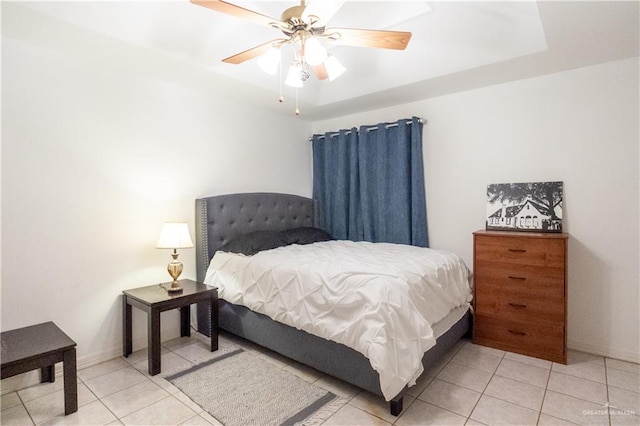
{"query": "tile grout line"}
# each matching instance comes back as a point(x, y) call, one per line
point(544, 394)
point(434, 378)
point(109, 372)
point(25, 408)
point(486, 386)
point(146, 406)
point(451, 361)
point(443, 367)
point(109, 410)
point(606, 385)
point(539, 410)
point(128, 387)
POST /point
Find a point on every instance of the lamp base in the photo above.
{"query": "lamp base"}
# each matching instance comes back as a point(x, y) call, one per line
point(175, 269)
point(175, 287)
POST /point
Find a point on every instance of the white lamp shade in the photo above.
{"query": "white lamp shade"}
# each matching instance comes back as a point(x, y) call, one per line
point(293, 77)
point(314, 51)
point(269, 61)
point(174, 236)
point(334, 68)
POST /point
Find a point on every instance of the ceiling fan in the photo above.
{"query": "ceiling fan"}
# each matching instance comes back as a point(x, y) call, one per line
point(303, 26)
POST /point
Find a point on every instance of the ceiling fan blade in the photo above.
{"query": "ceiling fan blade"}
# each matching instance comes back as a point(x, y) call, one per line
point(253, 52)
point(320, 72)
point(323, 10)
point(237, 11)
point(370, 38)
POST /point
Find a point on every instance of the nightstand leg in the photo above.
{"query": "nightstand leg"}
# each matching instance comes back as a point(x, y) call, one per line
point(70, 381)
point(153, 329)
point(48, 374)
point(185, 321)
point(127, 346)
point(214, 324)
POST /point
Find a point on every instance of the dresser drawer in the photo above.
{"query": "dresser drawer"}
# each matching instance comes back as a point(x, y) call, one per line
point(518, 304)
point(531, 338)
point(520, 250)
point(544, 282)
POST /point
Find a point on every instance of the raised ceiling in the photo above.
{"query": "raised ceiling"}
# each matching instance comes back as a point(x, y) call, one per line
point(455, 45)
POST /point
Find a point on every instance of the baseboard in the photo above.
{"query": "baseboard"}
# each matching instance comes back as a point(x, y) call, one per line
point(32, 378)
point(604, 351)
point(139, 343)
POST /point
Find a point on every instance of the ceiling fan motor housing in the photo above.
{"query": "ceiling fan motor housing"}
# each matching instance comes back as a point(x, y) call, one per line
point(293, 17)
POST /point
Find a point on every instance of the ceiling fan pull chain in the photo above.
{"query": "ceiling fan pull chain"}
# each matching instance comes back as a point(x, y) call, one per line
point(281, 98)
point(304, 26)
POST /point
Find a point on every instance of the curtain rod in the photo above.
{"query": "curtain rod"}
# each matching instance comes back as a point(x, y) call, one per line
point(374, 127)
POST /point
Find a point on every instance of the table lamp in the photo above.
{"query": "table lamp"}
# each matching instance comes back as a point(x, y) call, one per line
point(174, 236)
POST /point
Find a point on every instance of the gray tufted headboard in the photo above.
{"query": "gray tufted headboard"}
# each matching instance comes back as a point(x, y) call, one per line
point(222, 217)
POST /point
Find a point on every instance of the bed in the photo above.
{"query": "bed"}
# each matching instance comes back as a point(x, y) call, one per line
point(223, 218)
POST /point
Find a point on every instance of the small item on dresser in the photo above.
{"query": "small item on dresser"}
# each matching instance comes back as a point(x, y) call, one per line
point(520, 293)
point(528, 207)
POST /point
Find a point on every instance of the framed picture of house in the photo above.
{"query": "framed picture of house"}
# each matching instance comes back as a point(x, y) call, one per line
point(533, 206)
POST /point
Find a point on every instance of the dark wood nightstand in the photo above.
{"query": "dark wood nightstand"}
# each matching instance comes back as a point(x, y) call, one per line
point(154, 299)
point(42, 346)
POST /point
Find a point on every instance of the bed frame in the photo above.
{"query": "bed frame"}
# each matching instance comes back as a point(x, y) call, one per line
point(224, 217)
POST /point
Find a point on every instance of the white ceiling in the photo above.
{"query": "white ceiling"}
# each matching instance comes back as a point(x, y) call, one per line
point(455, 45)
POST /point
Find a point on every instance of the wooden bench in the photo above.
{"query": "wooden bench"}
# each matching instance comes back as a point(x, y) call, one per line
point(42, 346)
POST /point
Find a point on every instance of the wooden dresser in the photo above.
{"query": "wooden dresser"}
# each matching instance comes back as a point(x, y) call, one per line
point(520, 292)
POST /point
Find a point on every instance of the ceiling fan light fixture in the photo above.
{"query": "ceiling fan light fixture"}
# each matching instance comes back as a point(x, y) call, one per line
point(294, 76)
point(269, 61)
point(314, 52)
point(334, 68)
point(304, 27)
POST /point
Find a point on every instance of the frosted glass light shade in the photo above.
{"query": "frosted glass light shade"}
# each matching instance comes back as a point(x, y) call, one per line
point(314, 51)
point(174, 236)
point(269, 61)
point(334, 68)
point(293, 77)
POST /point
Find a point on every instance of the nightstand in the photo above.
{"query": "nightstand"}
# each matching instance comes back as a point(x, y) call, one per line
point(42, 346)
point(155, 299)
point(520, 292)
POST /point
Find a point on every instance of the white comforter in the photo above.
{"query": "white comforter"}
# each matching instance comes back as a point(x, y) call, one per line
point(379, 299)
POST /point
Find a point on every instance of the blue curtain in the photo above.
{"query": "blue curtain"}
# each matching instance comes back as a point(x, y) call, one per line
point(368, 183)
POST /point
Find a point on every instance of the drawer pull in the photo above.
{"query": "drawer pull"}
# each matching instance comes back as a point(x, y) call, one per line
point(517, 333)
point(518, 250)
point(513, 277)
point(517, 305)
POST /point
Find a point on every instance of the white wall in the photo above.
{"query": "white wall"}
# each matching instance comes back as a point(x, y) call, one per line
point(94, 159)
point(95, 156)
point(580, 127)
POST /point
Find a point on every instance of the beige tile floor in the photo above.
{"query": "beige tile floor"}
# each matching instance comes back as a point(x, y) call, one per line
point(472, 385)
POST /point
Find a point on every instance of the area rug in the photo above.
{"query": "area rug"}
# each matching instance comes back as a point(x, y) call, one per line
point(240, 388)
